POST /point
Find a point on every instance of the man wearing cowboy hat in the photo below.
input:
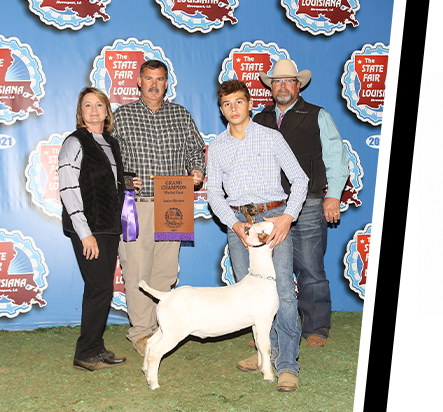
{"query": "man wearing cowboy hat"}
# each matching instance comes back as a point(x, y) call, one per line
point(313, 137)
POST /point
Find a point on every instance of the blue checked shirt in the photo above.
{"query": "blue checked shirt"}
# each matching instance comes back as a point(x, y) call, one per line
point(248, 171)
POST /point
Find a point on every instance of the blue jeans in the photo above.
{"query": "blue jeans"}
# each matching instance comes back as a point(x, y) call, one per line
point(309, 235)
point(286, 331)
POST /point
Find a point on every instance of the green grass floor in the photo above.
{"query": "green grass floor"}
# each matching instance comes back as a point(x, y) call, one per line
point(36, 374)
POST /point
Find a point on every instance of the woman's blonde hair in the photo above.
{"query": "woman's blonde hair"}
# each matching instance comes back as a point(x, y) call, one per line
point(109, 121)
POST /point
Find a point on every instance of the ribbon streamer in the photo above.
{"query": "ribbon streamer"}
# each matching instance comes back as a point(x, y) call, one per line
point(129, 217)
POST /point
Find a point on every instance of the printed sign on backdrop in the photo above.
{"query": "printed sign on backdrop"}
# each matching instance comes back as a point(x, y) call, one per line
point(68, 14)
point(117, 67)
point(322, 16)
point(246, 63)
point(21, 81)
point(119, 298)
point(363, 82)
point(356, 260)
point(42, 175)
point(23, 273)
point(354, 183)
point(202, 16)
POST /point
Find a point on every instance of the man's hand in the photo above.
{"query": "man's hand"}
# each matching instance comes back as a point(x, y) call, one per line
point(197, 176)
point(90, 247)
point(282, 224)
point(239, 229)
point(331, 209)
point(137, 181)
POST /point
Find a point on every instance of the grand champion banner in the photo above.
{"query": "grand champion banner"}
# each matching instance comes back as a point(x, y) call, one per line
point(174, 208)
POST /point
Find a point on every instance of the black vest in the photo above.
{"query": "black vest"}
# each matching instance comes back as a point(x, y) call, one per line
point(102, 201)
point(300, 129)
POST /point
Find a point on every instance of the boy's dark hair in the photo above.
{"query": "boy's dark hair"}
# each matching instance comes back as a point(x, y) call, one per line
point(232, 86)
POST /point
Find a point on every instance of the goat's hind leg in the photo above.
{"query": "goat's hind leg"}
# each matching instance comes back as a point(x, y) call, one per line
point(151, 342)
point(164, 345)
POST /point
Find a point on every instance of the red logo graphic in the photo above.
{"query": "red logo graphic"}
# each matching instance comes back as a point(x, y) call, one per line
point(350, 194)
point(82, 8)
point(248, 66)
point(16, 95)
point(335, 11)
point(211, 9)
point(371, 71)
point(123, 68)
point(363, 244)
point(119, 284)
point(49, 161)
point(19, 288)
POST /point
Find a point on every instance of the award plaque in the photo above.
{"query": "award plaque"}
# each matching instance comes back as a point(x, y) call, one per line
point(174, 208)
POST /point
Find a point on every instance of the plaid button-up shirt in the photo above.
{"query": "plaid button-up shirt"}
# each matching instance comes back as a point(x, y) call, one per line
point(163, 143)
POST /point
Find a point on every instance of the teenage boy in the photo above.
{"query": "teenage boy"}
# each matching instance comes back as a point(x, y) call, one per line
point(245, 163)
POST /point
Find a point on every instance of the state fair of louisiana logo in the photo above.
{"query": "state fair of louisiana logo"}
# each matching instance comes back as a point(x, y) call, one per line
point(356, 260)
point(42, 175)
point(322, 16)
point(354, 183)
point(117, 67)
point(69, 14)
point(363, 82)
point(199, 15)
point(246, 63)
point(23, 273)
point(227, 272)
point(21, 81)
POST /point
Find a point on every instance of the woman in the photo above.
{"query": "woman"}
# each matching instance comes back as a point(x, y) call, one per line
point(91, 177)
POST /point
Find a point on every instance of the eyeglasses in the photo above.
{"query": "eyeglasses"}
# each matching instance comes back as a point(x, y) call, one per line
point(286, 81)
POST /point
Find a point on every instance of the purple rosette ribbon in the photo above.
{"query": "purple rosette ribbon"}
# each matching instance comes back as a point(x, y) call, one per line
point(129, 217)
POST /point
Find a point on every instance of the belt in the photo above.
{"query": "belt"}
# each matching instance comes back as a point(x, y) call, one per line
point(265, 206)
point(144, 199)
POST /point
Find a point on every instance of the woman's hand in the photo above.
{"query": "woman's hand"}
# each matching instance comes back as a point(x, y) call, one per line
point(90, 247)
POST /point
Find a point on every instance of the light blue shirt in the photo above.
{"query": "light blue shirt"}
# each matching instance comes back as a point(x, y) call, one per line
point(248, 171)
point(334, 154)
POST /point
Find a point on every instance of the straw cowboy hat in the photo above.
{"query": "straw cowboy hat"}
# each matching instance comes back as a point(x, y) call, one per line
point(286, 68)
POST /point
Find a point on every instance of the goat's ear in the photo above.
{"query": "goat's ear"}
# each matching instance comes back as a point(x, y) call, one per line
point(263, 237)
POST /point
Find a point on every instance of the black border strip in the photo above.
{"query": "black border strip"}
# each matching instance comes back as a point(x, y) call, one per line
point(396, 207)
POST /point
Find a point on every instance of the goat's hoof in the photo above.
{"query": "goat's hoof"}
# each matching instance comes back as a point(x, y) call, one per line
point(153, 386)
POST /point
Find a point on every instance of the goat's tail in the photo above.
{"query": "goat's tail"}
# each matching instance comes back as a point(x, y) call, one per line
point(156, 293)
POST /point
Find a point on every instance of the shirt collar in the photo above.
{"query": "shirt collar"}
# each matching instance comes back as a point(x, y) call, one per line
point(278, 111)
point(247, 130)
point(142, 102)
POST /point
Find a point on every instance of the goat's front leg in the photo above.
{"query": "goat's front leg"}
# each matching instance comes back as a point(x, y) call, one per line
point(263, 344)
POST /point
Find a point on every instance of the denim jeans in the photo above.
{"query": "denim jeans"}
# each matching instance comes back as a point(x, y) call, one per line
point(286, 331)
point(309, 235)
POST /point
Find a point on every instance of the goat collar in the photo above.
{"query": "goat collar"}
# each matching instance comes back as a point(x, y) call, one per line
point(262, 244)
point(256, 275)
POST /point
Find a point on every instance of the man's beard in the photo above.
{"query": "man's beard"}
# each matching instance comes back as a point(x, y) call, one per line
point(284, 99)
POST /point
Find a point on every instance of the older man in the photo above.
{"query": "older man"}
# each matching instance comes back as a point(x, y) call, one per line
point(314, 138)
point(156, 138)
